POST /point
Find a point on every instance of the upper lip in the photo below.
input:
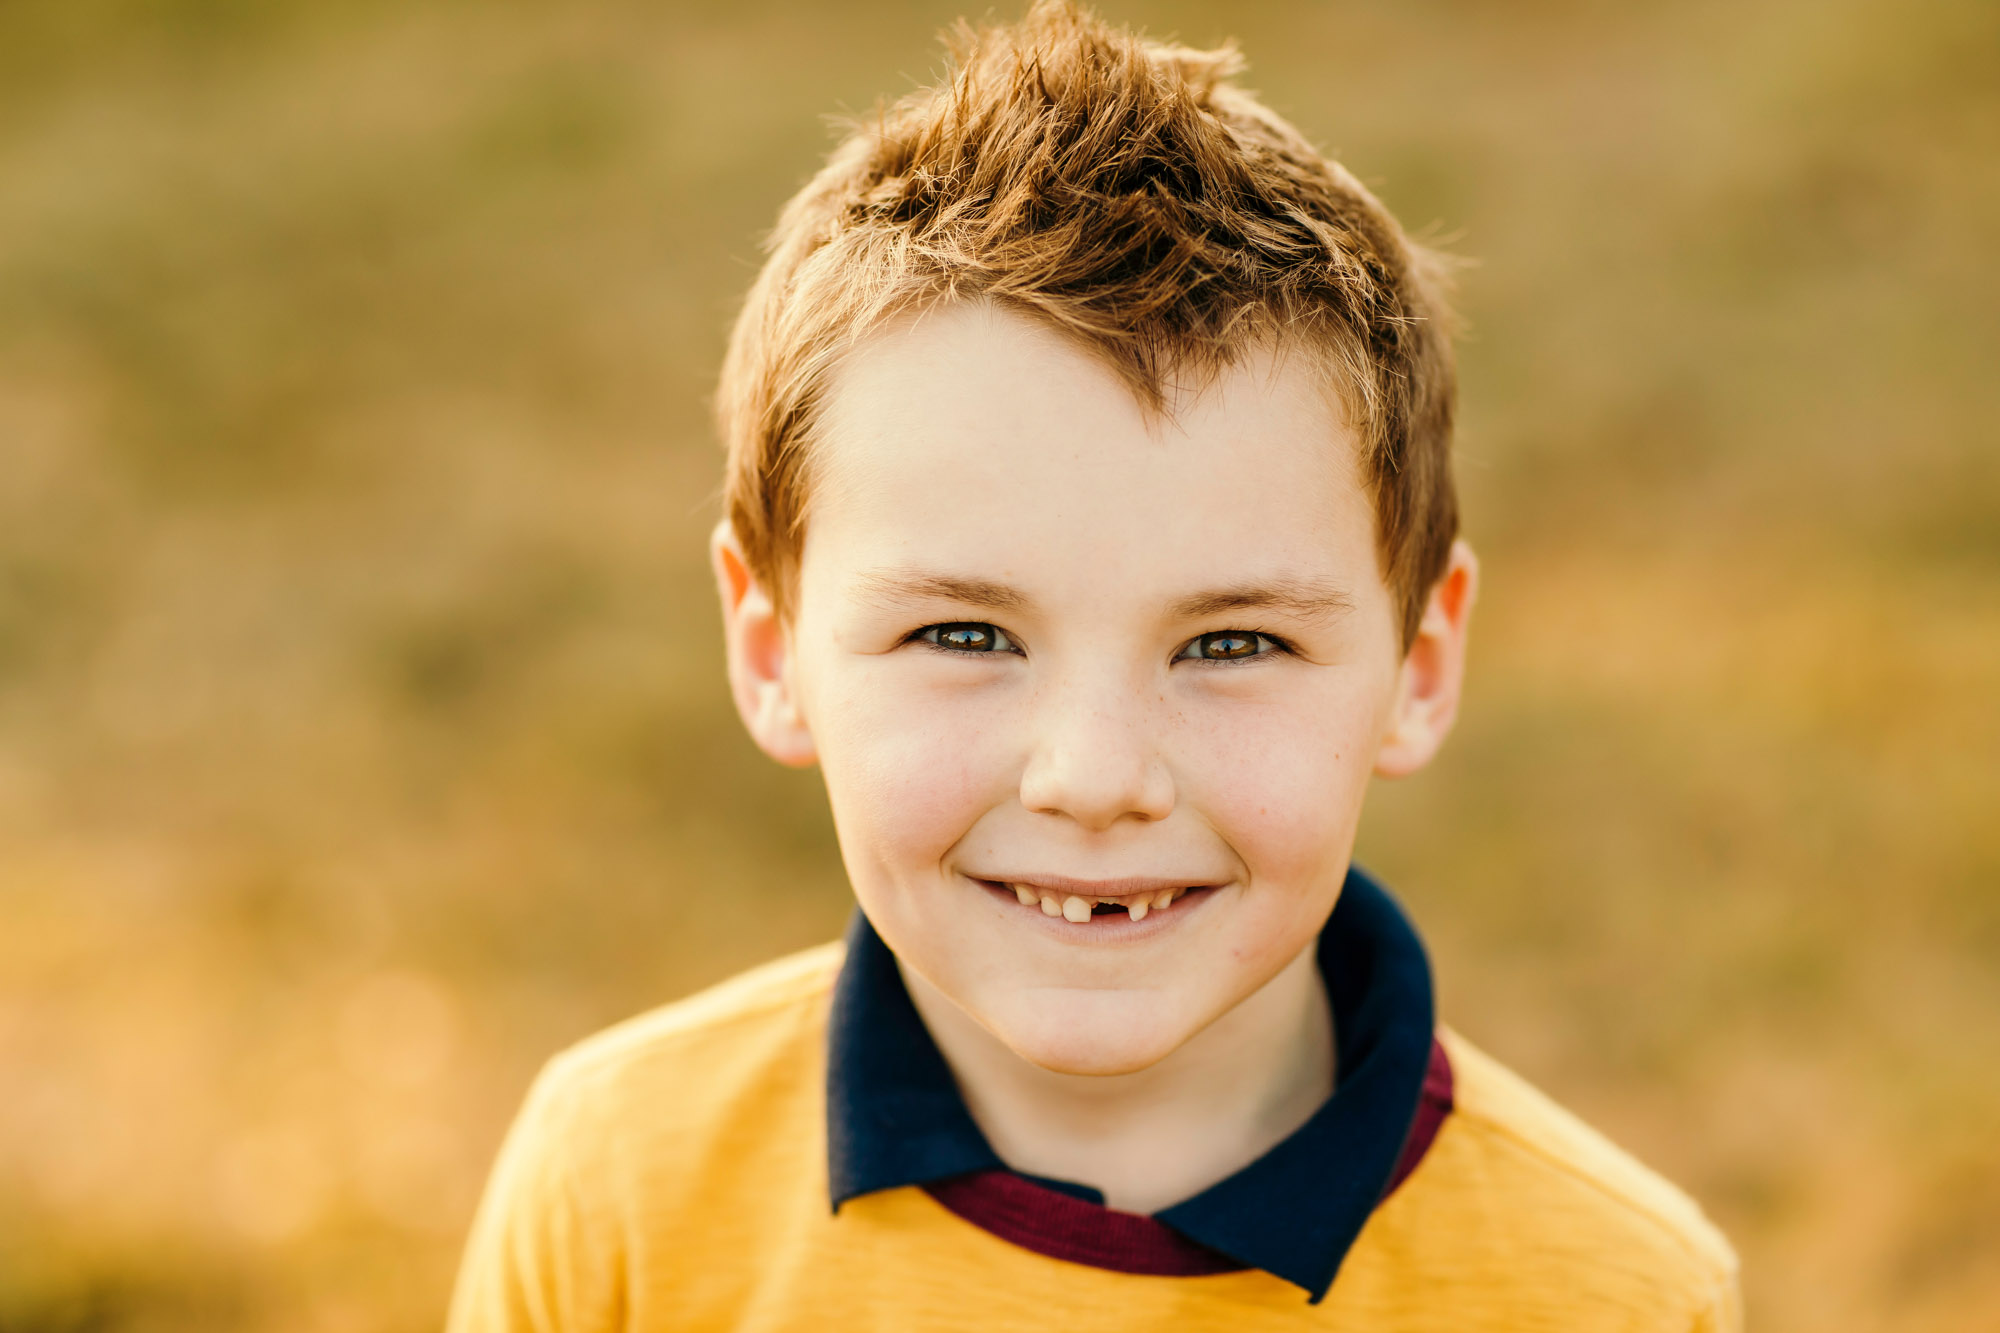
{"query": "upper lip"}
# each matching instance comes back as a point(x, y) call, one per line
point(1125, 887)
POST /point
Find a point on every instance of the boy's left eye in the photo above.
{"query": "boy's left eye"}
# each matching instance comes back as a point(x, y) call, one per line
point(1229, 645)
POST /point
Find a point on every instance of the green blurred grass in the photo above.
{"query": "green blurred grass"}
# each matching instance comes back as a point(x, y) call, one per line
point(362, 735)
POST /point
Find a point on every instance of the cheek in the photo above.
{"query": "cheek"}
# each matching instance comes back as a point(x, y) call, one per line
point(907, 774)
point(1283, 781)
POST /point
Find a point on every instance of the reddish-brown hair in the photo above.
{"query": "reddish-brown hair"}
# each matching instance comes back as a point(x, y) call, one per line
point(1124, 192)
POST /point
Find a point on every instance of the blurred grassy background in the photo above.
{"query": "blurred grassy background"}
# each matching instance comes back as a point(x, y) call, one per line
point(362, 729)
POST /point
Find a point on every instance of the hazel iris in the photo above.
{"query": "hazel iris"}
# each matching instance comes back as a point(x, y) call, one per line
point(1225, 645)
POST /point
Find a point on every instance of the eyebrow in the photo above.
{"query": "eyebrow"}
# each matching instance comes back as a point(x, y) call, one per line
point(1307, 599)
point(896, 585)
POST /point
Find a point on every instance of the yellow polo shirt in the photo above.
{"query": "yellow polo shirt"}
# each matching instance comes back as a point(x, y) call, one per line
point(670, 1173)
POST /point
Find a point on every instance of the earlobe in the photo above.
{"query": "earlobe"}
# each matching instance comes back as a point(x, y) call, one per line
point(1433, 671)
point(759, 656)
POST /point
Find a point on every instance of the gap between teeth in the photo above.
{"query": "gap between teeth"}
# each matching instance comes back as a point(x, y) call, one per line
point(1075, 909)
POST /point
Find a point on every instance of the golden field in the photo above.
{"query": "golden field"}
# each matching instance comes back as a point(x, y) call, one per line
point(362, 731)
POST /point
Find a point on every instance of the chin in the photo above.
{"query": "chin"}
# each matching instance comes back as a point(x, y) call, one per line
point(1101, 1046)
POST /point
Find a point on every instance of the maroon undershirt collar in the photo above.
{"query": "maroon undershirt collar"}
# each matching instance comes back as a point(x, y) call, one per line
point(1063, 1226)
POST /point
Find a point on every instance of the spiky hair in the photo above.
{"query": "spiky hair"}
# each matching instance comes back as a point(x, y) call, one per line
point(1126, 193)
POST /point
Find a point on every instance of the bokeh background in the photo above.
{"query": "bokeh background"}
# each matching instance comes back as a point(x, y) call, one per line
point(363, 737)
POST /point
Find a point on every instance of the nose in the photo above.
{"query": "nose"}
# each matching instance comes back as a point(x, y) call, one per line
point(1096, 759)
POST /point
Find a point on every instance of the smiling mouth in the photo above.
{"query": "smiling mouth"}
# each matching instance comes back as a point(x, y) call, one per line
point(1082, 908)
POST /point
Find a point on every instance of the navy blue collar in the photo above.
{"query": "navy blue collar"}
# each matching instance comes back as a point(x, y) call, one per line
point(895, 1116)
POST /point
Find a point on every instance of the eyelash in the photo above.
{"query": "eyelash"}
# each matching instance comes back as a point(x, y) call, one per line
point(930, 634)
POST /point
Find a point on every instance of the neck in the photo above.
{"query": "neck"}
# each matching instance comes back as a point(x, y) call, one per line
point(1149, 1139)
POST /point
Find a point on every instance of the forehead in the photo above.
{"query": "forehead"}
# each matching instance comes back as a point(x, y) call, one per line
point(975, 436)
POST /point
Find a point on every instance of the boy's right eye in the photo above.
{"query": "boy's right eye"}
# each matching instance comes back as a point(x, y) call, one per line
point(968, 636)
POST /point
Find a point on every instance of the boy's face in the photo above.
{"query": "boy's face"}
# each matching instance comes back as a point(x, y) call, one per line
point(1043, 649)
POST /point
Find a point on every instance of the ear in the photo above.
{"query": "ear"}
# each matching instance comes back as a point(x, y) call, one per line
point(759, 652)
point(1433, 671)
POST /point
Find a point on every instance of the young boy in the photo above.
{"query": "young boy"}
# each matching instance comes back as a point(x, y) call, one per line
point(1090, 525)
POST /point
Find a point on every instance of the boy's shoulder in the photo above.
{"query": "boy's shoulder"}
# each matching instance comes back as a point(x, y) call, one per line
point(665, 1127)
point(1565, 1194)
point(728, 1034)
point(1495, 1101)
point(769, 995)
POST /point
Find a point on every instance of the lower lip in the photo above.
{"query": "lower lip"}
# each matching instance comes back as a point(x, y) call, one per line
point(1103, 927)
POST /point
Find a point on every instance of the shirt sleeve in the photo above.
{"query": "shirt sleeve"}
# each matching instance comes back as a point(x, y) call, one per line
point(543, 1255)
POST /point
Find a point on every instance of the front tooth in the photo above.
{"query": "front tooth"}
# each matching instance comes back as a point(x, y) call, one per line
point(1050, 906)
point(1138, 909)
point(1164, 898)
point(1074, 909)
point(1025, 894)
